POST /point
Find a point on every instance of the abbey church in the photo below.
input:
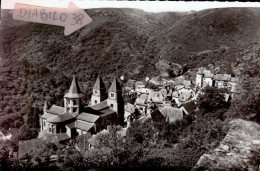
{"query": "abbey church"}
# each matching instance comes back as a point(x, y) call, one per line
point(76, 118)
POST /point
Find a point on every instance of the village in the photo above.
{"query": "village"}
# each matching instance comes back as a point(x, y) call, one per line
point(161, 100)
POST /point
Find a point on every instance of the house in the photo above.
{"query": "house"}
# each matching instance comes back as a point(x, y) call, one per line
point(141, 103)
point(139, 85)
point(75, 119)
point(222, 80)
point(186, 94)
point(129, 110)
point(155, 97)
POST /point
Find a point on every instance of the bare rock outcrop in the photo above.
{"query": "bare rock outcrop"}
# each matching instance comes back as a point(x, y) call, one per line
point(239, 150)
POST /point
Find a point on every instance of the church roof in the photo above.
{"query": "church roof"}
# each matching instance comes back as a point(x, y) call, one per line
point(86, 126)
point(47, 116)
point(60, 118)
point(115, 86)
point(88, 117)
point(99, 84)
point(100, 106)
point(57, 110)
point(74, 91)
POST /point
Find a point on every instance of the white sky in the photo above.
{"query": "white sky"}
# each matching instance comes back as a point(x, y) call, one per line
point(149, 6)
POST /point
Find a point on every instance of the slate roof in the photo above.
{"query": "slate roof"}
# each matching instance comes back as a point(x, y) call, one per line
point(71, 125)
point(86, 126)
point(222, 77)
point(60, 118)
point(190, 107)
point(115, 86)
point(74, 91)
point(88, 117)
point(99, 84)
point(107, 111)
point(100, 106)
point(47, 116)
point(171, 114)
point(54, 109)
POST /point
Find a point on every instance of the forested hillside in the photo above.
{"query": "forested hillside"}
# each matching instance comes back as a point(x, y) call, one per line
point(37, 62)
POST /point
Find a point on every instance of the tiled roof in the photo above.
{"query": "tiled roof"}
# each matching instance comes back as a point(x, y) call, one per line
point(141, 99)
point(99, 84)
point(171, 114)
point(88, 117)
point(130, 108)
point(190, 107)
point(155, 97)
point(86, 126)
point(55, 110)
point(74, 91)
point(47, 115)
point(60, 118)
point(115, 86)
point(222, 77)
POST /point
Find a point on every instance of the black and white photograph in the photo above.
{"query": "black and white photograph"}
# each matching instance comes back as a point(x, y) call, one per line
point(128, 88)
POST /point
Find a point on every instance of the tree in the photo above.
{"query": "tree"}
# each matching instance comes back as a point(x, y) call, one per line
point(211, 100)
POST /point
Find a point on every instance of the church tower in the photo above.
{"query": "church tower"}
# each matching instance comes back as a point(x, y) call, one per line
point(72, 99)
point(99, 92)
point(115, 100)
point(199, 78)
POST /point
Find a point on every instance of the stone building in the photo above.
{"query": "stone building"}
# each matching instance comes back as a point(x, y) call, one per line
point(76, 119)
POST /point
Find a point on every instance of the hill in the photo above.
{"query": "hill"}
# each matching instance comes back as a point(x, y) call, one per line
point(37, 60)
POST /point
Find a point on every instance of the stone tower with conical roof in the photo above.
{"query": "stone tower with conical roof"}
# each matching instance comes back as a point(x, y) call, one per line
point(72, 99)
point(99, 92)
point(115, 100)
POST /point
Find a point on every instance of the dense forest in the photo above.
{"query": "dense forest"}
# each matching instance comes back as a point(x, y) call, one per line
point(37, 62)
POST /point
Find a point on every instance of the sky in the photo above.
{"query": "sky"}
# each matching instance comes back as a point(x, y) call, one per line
point(149, 6)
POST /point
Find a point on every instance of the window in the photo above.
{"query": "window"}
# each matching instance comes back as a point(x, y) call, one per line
point(44, 123)
point(74, 109)
point(95, 102)
point(111, 105)
point(95, 92)
point(74, 102)
point(112, 94)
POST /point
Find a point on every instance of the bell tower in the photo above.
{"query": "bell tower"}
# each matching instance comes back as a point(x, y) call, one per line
point(115, 100)
point(72, 99)
point(99, 92)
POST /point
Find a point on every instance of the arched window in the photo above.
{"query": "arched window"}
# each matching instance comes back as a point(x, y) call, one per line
point(74, 102)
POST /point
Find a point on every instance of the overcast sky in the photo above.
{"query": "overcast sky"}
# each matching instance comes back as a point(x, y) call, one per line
point(149, 6)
